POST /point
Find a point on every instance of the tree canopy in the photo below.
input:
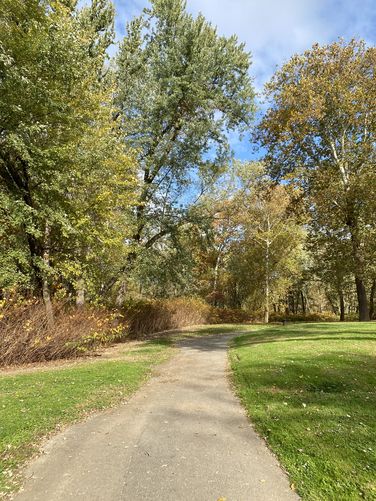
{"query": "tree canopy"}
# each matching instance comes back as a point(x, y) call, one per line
point(320, 130)
point(117, 179)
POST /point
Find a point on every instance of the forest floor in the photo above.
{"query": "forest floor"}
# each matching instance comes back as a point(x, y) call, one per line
point(310, 390)
point(182, 436)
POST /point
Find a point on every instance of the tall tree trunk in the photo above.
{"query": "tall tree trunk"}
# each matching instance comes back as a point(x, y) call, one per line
point(303, 302)
point(267, 284)
point(362, 299)
point(307, 303)
point(359, 265)
point(216, 276)
point(341, 305)
point(372, 300)
point(120, 296)
point(45, 284)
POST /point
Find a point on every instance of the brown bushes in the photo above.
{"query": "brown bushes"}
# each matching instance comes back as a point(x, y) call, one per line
point(25, 336)
point(148, 316)
point(299, 317)
point(229, 316)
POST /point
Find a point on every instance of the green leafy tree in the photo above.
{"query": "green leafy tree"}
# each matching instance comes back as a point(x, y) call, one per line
point(181, 89)
point(320, 130)
point(272, 243)
point(59, 150)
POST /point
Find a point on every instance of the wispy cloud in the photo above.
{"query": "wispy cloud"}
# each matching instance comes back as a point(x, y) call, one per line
point(274, 30)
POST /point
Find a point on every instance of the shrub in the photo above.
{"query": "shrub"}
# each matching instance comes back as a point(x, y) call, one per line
point(300, 317)
point(229, 316)
point(147, 316)
point(25, 336)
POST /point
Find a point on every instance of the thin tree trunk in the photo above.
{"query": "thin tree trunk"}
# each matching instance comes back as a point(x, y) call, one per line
point(45, 285)
point(341, 305)
point(216, 276)
point(120, 297)
point(372, 300)
point(267, 284)
point(303, 302)
point(307, 304)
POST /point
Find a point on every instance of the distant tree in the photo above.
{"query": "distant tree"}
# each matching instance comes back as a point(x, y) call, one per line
point(320, 130)
point(272, 241)
point(249, 253)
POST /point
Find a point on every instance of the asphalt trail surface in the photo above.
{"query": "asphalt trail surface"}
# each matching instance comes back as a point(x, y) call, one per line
point(183, 437)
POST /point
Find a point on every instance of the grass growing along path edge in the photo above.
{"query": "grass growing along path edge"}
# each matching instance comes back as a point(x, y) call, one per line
point(40, 399)
point(310, 390)
point(34, 404)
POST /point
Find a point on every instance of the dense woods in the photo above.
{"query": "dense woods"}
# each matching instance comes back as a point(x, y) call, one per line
point(118, 183)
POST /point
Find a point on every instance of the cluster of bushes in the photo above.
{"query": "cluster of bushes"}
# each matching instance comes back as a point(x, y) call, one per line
point(25, 335)
point(147, 316)
point(307, 317)
point(230, 316)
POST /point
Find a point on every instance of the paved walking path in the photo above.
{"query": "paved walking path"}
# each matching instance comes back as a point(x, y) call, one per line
point(182, 437)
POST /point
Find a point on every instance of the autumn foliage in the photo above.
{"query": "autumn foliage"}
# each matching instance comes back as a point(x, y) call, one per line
point(26, 336)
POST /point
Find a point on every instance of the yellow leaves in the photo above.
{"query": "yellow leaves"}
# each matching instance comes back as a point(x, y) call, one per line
point(28, 326)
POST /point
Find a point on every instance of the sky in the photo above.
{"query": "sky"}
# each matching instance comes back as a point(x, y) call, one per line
point(274, 30)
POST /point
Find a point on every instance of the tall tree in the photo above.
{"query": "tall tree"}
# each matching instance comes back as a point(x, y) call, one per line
point(182, 87)
point(272, 237)
point(320, 129)
point(56, 136)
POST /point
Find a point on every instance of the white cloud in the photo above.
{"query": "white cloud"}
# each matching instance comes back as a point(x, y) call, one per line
point(274, 30)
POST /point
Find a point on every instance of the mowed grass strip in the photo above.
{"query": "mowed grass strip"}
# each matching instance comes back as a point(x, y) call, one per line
point(34, 404)
point(310, 390)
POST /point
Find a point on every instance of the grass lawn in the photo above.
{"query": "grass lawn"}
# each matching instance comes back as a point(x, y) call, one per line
point(310, 390)
point(35, 404)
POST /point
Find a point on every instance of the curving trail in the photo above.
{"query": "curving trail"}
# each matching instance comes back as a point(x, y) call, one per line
point(182, 437)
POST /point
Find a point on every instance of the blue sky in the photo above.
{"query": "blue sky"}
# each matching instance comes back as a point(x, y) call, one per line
point(274, 30)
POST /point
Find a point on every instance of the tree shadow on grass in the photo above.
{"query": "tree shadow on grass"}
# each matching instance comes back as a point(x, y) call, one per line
point(307, 332)
point(317, 411)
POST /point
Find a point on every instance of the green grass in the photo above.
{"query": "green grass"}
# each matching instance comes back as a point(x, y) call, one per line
point(34, 404)
point(209, 330)
point(310, 390)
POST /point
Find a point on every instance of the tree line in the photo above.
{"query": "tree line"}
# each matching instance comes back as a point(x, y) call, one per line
point(117, 179)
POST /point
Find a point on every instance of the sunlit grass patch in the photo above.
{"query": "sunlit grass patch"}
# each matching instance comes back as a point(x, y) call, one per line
point(310, 390)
